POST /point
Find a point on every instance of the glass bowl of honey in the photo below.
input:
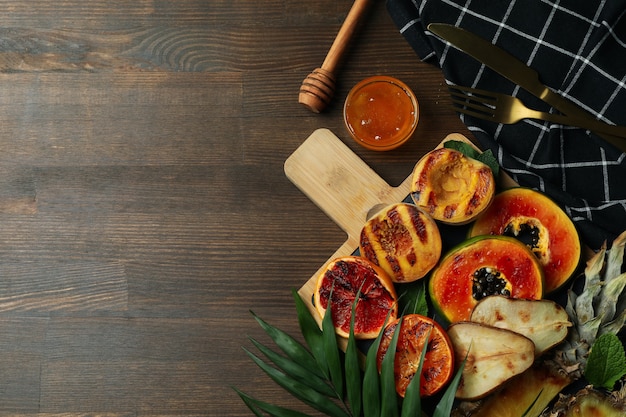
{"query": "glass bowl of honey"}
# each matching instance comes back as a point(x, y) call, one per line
point(381, 113)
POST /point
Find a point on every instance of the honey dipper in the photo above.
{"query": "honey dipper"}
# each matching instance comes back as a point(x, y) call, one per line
point(318, 87)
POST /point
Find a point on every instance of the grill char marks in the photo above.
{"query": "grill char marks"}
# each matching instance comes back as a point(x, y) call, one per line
point(403, 240)
point(452, 187)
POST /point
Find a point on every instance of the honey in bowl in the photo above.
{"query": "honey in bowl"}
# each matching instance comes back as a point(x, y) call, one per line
point(381, 113)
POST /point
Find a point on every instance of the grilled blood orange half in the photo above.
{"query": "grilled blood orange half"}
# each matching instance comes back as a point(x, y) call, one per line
point(438, 362)
point(403, 240)
point(345, 277)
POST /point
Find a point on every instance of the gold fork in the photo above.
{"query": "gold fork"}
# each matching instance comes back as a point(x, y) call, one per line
point(502, 108)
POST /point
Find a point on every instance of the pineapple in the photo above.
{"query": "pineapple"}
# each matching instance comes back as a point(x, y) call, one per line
point(590, 402)
point(599, 308)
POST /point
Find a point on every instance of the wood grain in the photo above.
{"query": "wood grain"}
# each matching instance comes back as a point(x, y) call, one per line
point(144, 210)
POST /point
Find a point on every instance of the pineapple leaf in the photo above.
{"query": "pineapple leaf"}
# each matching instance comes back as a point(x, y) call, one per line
point(291, 347)
point(389, 404)
point(570, 306)
point(588, 331)
point(295, 370)
point(611, 292)
point(616, 325)
point(585, 301)
point(615, 257)
point(594, 267)
point(607, 362)
point(311, 332)
point(331, 350)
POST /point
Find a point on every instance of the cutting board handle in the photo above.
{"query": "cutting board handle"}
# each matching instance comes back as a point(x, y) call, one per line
point(339, 182)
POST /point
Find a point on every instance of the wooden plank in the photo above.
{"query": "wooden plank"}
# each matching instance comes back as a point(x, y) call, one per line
point(105, 14)
point(130, 386)
point(166, 46)
point(149, 366)
point(22, 347)
point(79, 287)
point(72, 338)
point(110, 119)
point(17, 191)
point(81, 414)
point(19, 387)
point(140, 48)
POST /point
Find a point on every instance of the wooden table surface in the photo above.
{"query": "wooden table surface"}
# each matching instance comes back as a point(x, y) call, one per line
point(144, 210)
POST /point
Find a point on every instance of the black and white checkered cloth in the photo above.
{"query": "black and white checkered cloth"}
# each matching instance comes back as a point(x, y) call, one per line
point(579, 50)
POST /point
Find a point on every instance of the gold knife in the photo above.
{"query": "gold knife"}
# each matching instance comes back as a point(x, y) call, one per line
point(521, 74)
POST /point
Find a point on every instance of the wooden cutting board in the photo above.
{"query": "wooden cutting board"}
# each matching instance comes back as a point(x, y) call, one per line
point(343, 186)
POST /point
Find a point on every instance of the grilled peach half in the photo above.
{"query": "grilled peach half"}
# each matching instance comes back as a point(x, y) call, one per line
point(451, 187)
point(403, 240)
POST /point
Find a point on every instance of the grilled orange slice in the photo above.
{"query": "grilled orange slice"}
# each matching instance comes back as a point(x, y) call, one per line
point(439, 360)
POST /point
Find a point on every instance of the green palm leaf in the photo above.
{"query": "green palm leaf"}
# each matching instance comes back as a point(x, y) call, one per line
point(352, 366)
point(257, 406)
point(371, 385)
point(389, 403)
point(301, 391)
point(309, 375)
point(331, 349)
point(412, 300)
point(412, 404)
point(295, 370)
point(371, 378)
point(292, 348)
point(311, 332)
point(444, 407)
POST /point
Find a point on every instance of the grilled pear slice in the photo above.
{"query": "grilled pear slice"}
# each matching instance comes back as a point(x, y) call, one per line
point(493, 357)
point(543, 321)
